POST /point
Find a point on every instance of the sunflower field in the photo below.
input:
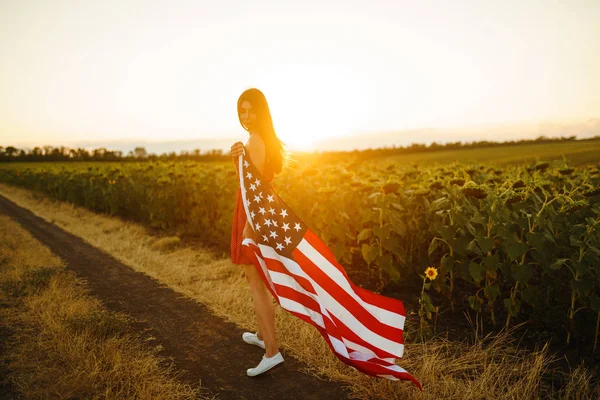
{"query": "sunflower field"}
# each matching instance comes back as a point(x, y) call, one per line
point(510, 244)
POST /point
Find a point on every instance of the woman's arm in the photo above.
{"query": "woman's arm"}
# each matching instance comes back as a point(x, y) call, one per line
point(256, 150)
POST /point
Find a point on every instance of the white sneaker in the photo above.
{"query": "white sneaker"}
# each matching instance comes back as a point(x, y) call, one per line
point(252, 338)
point(266, 364)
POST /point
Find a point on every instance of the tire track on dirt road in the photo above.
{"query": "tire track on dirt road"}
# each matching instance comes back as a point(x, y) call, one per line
point(209, 349)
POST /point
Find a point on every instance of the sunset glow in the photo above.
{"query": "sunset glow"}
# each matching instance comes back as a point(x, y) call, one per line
point(174, 70)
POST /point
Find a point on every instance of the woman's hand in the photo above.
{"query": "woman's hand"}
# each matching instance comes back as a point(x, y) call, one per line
point(237, 149)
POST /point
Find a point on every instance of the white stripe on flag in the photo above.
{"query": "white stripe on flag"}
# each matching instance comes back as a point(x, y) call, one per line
point(363, 357)
point(357, 347)
point(341, 347)
point(241, 174)
point(286, 280)
point(358, 356)
point(385, 316)
point(289, 304)
point(335, 308)
point(296, 307)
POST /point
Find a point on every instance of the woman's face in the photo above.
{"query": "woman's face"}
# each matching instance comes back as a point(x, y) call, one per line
point(247, 115)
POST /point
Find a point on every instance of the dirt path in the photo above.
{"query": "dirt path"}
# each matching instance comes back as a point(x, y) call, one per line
point(7, 391)
point(209, 349)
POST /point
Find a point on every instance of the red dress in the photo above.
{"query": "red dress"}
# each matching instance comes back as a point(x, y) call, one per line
point(239, 221)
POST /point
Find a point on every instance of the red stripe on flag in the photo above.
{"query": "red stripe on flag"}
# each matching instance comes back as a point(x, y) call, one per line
point(276, 266)
point(350, 335)
point(335, 327)
point(376, 369)
point(306, 301)
point(346, 300)
point(322, 248)
point(387, 303)
point(354, 308)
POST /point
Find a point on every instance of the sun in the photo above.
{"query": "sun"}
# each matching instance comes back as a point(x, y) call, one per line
point(301, 121)
point(298, 142)
point(313, 103)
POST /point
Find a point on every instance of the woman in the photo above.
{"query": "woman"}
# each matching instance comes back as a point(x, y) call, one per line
point(268, 154)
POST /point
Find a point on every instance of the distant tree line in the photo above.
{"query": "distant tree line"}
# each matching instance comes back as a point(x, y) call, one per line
point(421, 148)
point(62, 153)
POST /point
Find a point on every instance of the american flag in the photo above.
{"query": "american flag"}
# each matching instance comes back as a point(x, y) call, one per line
point(362, 328)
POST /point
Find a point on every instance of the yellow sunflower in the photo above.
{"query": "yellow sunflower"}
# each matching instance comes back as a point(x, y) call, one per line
point(431, 273)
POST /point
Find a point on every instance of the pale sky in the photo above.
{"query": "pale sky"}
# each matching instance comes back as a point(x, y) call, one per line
point(166, 70)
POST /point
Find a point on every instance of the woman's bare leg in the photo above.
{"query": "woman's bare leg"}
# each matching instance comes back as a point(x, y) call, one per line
point(263, 307)
point(250, 273)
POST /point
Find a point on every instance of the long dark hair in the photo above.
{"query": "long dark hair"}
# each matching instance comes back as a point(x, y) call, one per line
point(277, 153)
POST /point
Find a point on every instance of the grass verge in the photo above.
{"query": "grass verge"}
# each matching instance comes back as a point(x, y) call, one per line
point(493, 368)
point(61, 342)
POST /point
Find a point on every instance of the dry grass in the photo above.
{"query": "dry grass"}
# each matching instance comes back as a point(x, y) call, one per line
point(166, 243)
point(492, 369)
point(64, 344)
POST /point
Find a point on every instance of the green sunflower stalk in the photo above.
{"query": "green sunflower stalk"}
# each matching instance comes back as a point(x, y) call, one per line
point(427, 306)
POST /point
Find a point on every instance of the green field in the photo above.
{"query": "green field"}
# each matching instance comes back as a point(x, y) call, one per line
point(577, 153)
